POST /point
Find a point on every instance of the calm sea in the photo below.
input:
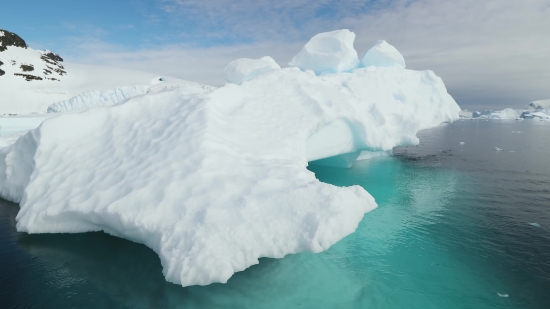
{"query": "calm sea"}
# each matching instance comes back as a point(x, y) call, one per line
point(458, 226)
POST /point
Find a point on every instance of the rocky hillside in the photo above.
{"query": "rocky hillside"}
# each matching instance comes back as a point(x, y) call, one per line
point(17, 59)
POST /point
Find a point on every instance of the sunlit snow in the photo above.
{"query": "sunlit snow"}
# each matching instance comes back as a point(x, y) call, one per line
point(213, 180)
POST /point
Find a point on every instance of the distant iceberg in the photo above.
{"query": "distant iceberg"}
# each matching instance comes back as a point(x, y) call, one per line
point(214, 180)
point(534, 110)
point(539, 105)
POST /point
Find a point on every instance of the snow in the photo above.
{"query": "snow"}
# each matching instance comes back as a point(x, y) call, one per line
point(12, 125)
point(540, 115)
point(214, 180)
point(245, 69)
point(539, 104)
point(383, 55)
point(118, 95)
point(18, 96)
point(328, 52)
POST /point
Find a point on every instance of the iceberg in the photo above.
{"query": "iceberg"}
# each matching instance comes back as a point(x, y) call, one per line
point(383, 55)
point(245, 69)
point(213, 181)
point(94, 98)
point(329, 52)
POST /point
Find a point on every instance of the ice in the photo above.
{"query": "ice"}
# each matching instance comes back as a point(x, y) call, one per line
point(245, 69)
point(328, 52)
point(383, 55)
point(213, 181)
point(502, 295)
point(97, 98)
point(10, 125)
point(534, 224)
point(118, 95)
point(498, 149)
point(461, 143)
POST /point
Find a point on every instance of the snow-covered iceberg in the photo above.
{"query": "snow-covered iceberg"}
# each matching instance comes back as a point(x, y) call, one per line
point(244, 69)
point(383, 55)
point(213, 181)
point(328, 52)
point(94, 98)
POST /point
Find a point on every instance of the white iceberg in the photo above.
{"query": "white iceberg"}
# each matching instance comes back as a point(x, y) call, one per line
point(213, 181)
point(328, 52)
point(383, 55)
point(94, 98)
point(245, 69)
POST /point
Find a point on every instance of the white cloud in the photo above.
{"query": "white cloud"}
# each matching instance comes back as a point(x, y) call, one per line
point(492, 52)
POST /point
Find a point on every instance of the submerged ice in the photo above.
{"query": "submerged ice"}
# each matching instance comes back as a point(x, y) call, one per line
point(212, 181)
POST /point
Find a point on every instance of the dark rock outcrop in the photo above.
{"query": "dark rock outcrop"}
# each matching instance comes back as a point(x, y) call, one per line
point(28, 77)
point(52, 56)
point(10, 39)
point(27, 68)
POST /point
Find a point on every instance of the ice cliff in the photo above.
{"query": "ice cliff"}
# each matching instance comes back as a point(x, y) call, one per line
point(212, 181)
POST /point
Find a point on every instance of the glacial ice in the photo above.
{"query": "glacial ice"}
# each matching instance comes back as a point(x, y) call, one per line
point(118, 95)
point(383, 55)
point(97, 98)
point(245, 69)
point(212, 181)
point(328, 52)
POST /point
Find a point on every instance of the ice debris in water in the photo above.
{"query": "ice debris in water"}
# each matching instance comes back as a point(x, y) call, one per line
point(245, 69)
point(383, 55)
point(461, 143)
point(534, 224)
point(213, 181)
point(498, 149)
point(502, 295)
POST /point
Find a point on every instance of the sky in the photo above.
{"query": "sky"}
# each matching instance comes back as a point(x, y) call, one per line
point(491, 54)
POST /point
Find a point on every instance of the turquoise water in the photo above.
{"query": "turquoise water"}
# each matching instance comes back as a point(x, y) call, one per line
point(451, 231)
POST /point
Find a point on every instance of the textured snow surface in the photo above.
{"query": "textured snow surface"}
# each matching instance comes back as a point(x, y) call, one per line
point(245, 69)
point(383, 55)
point(118, 95)
point(328, 52)
point(215, 180)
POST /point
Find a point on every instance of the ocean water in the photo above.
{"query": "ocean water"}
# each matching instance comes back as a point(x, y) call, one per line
point(458, 226)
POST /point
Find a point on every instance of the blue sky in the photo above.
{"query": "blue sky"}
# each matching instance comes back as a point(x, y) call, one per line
point(491, 53)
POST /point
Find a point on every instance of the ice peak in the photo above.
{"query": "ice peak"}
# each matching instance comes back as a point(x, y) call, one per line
point(382, 54)
point(244, 69)
point(328, 52)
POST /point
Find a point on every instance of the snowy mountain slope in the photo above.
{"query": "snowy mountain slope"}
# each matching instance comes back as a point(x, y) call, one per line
point(33, 80)
point(20, 61)
point(213, 181)
point(539, 104)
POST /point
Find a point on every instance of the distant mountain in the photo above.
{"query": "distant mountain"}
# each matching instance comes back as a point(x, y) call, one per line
point(35, 82)
point(17, 59)
point(539, 104)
